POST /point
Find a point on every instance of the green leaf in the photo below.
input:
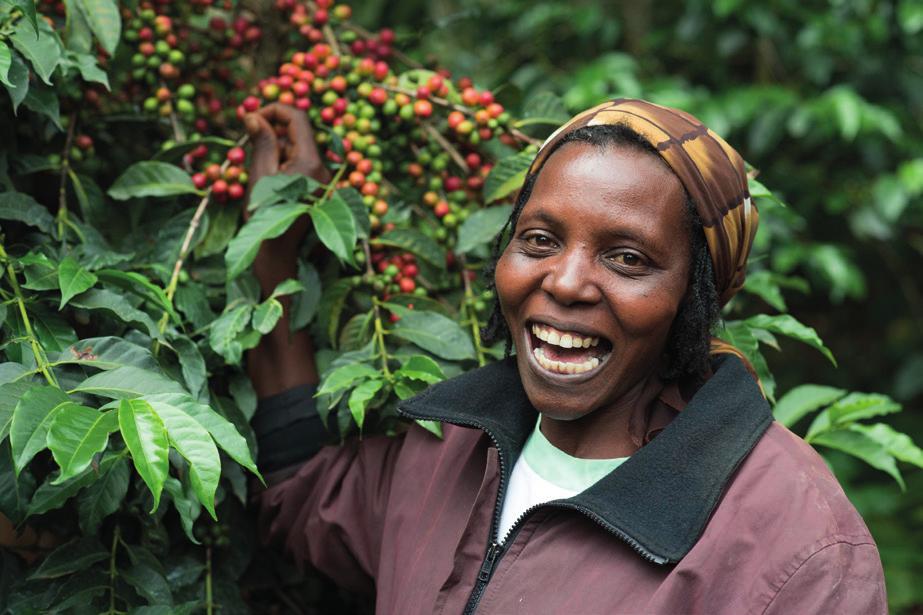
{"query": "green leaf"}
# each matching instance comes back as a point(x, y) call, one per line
point(360, 210)
point(858, 406)
point(434, 427)
point(118, 305)
point(23, 208)
point(266, 223)
point(435, 333)
point(860, 445)
point(151, 178)
point(195, 444)
point(147, 441)
point(77, 32)
point(335, 226)
point(28, 10)
point(287, 287)
point(150, 583)
point(43, 99)
point(104, 496)
point(266, 315)
point(106, 353)
point(224, 433)
point(481, 227)
point(31, 419)
point(186, 505)
point(105, 21)
point(898, 444)
point(73, 279)
point(192, 364)
point(802, 400)
point(507, 176)
point(281, 188)
point(360, 397)
point(544, 108)
point(52, 495)
point(331, 307)
point(43, 52)
point(787, 325)
point(6, 60)
point(304, 304)
point(139, 285)
point(127, 382)
point(76, 435)
point(421, 367)
point(16, 492)
point(18, 77)
point(222, 336)
point(78, 554)
point(415, 242)
point(343, 377)
point(89, 69)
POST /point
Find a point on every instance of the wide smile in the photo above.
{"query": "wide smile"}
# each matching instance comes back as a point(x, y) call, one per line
point(565, 355)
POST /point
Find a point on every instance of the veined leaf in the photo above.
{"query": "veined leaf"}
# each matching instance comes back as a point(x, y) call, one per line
point(105, 21)
point(186, 505)
point(860, 445)
point(18, 76)
point(281, 188)
point(23, 208)
point(224, 433)
point(76, 434)
point(421, 367)
point(127, 382)
point(802, 400)
point(73, 279)
point(896, 443)
point(43, 52)
point(858, 406)
point(304, 304)
point(414, 242)
point(435, 333)
point(360, 397)
point(139, 285)
point(195, 444)
point(104, 299)
point(51, 495)
point(222, 336)
point(266, 223)
point(106, 353)
point(147, 441)
point(787, 325)
point(481, 227)
point(31, 419)
point(335, 227)
point(71, 557)
point(343, 377)
point(151, 178)
point(507, 176)
point(266, 315)
point(6, 60)
point(192, 364)
point(28, 10)
point(104, 496)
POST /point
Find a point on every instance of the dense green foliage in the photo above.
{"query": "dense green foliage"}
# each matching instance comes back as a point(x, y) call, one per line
point(127, 304)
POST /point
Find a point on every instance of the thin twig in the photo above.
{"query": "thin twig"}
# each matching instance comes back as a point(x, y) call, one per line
point(448, 147)
point(523, 136)
point(401, 56)
point(472, 313)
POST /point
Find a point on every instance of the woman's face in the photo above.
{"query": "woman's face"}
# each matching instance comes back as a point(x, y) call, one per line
point(593, 277)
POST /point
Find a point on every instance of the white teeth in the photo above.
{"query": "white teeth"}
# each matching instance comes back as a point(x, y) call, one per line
point(563, 367)
point(564, 340)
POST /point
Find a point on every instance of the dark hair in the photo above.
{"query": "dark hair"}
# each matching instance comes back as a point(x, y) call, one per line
point(687, 346)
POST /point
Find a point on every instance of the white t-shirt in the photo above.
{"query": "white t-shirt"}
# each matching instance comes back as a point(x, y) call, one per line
point(544, 473)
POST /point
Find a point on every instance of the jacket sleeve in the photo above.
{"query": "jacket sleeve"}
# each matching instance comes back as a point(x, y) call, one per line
point(843, 577)
point(329, 512)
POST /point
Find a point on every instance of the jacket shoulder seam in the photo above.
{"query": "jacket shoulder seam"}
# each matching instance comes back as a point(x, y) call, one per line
point(858, 540)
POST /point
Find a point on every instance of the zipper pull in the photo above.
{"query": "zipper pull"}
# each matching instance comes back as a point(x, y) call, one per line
point(493, 551)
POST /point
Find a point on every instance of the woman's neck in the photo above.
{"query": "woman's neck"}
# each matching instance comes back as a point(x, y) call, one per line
point(604, 433)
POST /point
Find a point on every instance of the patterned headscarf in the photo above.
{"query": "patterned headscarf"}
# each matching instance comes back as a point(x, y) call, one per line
point(711, 171)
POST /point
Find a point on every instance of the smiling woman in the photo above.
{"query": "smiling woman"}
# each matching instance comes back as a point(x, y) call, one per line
point(613, 448)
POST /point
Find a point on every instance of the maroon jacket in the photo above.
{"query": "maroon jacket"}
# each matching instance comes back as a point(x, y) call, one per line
point(725, 511)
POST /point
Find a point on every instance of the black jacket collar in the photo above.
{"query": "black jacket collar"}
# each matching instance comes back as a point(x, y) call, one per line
point(661, 498)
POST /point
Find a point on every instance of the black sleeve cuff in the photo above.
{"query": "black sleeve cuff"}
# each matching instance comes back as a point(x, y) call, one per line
point(288, 428)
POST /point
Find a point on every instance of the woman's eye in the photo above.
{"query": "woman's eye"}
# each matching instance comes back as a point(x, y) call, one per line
point(628, 259)
point(537, 240)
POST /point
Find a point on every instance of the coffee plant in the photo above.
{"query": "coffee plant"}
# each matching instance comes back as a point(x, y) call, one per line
point(127, 302)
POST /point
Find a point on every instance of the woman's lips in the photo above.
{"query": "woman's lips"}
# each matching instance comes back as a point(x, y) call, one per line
point(560, 353)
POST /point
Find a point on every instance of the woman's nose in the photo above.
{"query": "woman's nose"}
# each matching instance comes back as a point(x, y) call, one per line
point(570, 279)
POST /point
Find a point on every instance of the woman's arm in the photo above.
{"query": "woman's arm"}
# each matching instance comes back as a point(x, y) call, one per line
point(282, 366)
point(282, 143)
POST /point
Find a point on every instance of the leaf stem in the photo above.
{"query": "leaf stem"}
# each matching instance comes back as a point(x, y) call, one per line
point(187, 243)
point(40, 360)
point(472, 314)
point(209, 605)
point(448, 147)
point(379, 327)
point(113, 571)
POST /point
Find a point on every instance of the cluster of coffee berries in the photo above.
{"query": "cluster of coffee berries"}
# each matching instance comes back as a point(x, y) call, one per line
point(227, 182)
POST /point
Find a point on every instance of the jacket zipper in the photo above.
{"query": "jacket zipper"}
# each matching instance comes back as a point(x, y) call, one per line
point(495, 550)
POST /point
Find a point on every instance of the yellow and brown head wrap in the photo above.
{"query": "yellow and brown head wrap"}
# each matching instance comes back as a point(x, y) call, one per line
point(711, 171)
